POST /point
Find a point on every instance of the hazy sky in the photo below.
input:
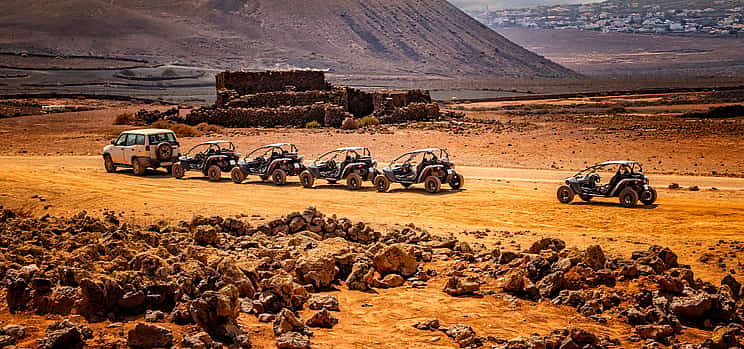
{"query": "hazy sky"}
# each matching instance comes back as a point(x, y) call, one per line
point(498, 4)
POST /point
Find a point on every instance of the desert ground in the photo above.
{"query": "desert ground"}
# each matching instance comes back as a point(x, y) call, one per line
point(513, 155)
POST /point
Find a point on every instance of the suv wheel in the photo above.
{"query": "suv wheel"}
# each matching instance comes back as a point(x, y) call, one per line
point(138, 166)
point(237, 175)
point(648, 196)
point(307, 179)
point(628, 197)
point(109, 164)
point(354, 181)
point(432, 184)
point(456, 181)
point(178, 171)
point(382, 184)
point(214, 173)
point(279, 177)
point(565, 194)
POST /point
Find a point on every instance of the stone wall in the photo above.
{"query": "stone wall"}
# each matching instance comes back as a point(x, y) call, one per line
point(412, 112)
point(337, 96)
point(326, 114)
point(384, 101)
point(246, 83)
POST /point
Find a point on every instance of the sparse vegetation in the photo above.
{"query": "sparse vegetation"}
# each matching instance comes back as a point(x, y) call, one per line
point(181, 130)
point(125, 119)
point(206, 128)
point(368, 120)
point(312, 124)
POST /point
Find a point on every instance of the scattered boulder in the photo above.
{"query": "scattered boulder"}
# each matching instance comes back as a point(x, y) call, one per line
point(145, 335)
point(292, 340)
point(460, 286)
point(396, 258)
point(463, 335)
point(322, 318)
point(216, 313)
point(594, 257)
point(323, 301)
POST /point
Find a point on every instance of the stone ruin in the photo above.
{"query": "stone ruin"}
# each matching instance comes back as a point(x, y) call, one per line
point(297, 97)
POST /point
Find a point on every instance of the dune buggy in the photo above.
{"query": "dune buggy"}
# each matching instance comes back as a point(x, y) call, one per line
point(275, 161)
point(429, 166)
point(627, 182)
point(353, 164)
point(210, 158)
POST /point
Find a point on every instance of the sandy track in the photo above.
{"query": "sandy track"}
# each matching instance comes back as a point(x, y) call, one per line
point(494, 198)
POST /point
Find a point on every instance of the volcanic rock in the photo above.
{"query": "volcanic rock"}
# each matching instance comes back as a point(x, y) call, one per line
point(322, 318)
point(149, 336)
point(396, 258)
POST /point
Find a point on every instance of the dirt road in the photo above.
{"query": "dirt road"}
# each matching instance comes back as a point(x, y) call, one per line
point(498, 200)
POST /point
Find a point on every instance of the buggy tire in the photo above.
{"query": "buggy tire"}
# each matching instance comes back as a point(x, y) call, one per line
point(279, 177)
point(138, 166)
point(237, 175)
point(354, 181)
point(214, 173)
point(177, 171)
point(108, 164)
point(307, 179)
point(628, 197)
point(456, 181)
point(164, 151)
point(565, 194)
point(382, 184)
point(649, 196)
point(432, 184)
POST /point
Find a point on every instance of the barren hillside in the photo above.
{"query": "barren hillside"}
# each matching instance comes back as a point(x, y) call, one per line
point(366, 37)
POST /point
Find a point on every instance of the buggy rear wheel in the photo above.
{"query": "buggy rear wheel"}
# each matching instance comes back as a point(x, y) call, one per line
point(432, 184)
point(648, 196)
point(214, 173)
point(456, 181)
point(237, 175)
point(178, 171)
point(628, 197)
point(109, 164)
point(279, 177)
point(354, 181)
point(382, 184)
point(306, 179)
point(565, 194)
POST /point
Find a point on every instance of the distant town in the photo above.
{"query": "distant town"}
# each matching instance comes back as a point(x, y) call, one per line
point(717, 18)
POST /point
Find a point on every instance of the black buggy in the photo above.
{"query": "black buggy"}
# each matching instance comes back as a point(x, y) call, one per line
point(429, 166)
point(354, 164)
point(275, 161)
point(210, 158)
point(626, 181)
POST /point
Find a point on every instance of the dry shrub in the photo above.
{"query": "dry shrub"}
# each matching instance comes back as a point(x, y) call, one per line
point(125, 119)
point(312, 124)
point(350, 124)
point(369, 121)
point(209, 128)
point(181, 130)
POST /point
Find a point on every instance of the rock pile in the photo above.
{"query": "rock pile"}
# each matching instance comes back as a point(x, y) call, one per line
point(203, 272)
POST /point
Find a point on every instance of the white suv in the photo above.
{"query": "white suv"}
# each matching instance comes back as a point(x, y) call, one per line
point(140, 149)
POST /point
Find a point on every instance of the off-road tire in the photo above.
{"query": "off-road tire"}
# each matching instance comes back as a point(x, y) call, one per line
point(628, 197)
point(237, 175)
point(279, 177)
point(565, 194)
point(649, 196)
point(108, 164)
point(456, 181)
point(177, 171)
point(382, 184)
point(164, 151)
point(432, 184)
point(354, 181)
point(214, 173)
point(138, 166)
point(307, 179)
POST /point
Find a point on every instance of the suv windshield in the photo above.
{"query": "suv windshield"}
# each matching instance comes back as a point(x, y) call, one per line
point(162, 137)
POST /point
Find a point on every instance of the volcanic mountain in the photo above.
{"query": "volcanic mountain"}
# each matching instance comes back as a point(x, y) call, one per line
point(385, 37)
